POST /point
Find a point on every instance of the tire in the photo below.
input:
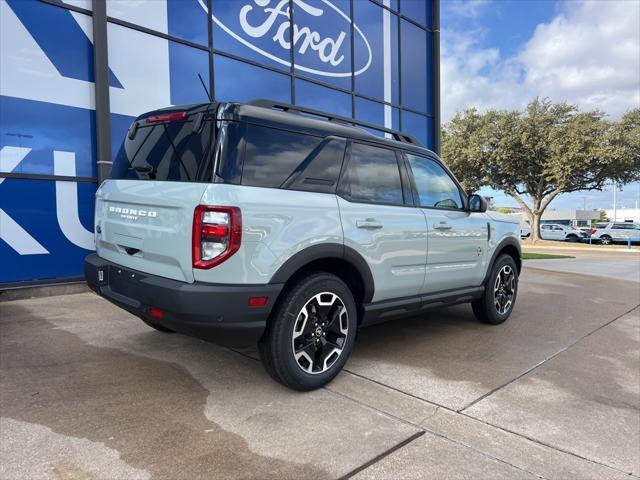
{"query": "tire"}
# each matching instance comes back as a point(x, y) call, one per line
point(322, 347)
point(605, 240)
point(156, 326)
point(571, 238)
point(495, 310)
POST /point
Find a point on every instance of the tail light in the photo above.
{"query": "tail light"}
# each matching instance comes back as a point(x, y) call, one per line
point(167, 117)
point(217, 234)
point(593, 231)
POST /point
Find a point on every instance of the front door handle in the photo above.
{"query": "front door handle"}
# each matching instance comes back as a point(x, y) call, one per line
point(369, 223)
point(442, 226)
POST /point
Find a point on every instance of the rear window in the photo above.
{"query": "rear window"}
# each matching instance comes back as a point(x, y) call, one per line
point(168, 151)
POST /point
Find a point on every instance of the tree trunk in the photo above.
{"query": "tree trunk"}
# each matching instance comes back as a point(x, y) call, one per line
point(534, 221)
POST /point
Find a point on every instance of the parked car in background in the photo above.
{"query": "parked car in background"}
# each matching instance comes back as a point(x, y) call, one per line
point(586, 230)
point(554, 231)
point(608, 233)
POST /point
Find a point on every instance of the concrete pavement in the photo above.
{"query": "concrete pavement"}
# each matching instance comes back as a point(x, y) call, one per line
point(617, 265)
point(88, 391)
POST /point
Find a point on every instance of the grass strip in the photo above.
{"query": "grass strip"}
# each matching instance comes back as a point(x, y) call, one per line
point(542, 256)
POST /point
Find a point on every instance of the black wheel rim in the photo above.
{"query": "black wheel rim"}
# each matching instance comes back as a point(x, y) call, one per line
point(504, 289)
point(320, 333)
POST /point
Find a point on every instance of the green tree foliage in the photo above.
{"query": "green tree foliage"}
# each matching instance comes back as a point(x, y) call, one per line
point(603, 216)
point(536, 154)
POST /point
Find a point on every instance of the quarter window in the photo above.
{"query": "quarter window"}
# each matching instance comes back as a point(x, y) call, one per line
point(272, 155)
point(435, 187)
point(373, 176)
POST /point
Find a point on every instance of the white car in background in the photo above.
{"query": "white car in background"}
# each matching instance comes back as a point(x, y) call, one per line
point(616, 232)
point(555, 231)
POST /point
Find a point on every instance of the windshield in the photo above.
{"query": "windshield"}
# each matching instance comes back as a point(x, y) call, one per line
point(171, 151)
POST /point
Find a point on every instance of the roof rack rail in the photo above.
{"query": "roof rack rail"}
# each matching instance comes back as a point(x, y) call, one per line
point(287, 107)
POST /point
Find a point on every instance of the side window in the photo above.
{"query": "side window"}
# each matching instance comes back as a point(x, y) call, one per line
point(319, 172)
point(619, 226)
point(545, 227)
point(373, 176)
point(272, 155)
point(435, 187)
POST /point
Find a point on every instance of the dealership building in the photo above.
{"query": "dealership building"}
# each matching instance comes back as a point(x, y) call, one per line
point(75, 73)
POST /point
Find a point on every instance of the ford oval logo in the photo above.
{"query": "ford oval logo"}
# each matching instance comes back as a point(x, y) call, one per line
point(270, 20)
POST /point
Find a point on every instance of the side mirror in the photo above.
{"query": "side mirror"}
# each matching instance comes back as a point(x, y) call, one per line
point(477, 203)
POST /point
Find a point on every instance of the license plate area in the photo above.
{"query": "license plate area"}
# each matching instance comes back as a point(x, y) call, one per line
point(103, 276)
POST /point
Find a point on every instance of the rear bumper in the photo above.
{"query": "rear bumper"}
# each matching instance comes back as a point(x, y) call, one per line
point(213, 312)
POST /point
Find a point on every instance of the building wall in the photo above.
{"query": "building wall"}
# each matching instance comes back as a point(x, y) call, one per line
point(371, 60)
point(624, 215)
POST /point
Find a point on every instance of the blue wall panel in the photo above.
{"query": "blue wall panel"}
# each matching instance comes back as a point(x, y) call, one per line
point(47, 111)
point(32, 204)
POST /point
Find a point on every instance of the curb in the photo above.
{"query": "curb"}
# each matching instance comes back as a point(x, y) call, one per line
point(581, 249)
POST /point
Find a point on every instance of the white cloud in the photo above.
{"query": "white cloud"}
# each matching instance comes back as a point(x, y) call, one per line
point(467, 8)
point(588, 54)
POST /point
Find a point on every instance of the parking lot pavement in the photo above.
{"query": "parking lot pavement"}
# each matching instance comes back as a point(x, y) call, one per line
point(171, 406)
point(88, 391)
point(608, 264)
point(584, 400)
point(448, 358)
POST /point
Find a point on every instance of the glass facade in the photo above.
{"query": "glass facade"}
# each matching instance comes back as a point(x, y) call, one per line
point(371, 60)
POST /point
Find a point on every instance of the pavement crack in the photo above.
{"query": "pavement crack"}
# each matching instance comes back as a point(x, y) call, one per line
point(429, 417)
point(370, 407)
point(384, 454)
point(398, 390)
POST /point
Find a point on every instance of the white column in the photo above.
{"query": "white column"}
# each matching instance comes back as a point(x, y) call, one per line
point(386, 57)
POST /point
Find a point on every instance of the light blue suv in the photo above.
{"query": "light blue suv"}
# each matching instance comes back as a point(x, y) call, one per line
point(266, 223)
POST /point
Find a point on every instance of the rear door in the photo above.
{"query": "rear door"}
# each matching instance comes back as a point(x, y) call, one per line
point(547, 232)
point(625, 231)
point(144, 213)
point(380, 223)
point(457, 239)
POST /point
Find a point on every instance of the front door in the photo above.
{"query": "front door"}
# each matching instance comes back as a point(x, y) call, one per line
point(457, 239)
point(377, 222)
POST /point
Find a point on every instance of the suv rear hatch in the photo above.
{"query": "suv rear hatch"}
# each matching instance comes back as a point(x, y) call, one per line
point(144, 213)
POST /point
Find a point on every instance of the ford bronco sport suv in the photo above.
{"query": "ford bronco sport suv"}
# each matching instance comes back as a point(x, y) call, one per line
point(271, 224)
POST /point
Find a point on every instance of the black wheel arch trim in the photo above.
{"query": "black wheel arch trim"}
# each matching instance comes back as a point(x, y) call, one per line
point(327, 251)
point(509, 241)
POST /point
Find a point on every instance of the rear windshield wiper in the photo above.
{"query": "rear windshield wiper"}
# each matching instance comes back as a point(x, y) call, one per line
point(144, 170)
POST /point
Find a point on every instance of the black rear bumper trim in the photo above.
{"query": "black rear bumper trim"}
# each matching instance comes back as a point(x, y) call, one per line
point(218, 313)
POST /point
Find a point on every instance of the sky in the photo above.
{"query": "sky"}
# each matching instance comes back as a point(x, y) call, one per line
point(504, 53)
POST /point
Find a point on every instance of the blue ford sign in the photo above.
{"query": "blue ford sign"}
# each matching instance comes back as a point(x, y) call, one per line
point(372, 60)
point(266, 19)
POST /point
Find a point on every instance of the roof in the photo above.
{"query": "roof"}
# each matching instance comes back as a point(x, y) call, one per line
point(303, 120)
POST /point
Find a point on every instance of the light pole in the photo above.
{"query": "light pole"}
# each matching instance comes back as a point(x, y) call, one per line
point(615, 216)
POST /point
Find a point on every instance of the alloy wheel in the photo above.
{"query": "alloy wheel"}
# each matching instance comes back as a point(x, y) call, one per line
point(320, 333)
point(504, 289)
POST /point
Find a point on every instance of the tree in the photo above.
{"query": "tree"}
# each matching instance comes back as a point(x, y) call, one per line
point(537, 154)
point(602, 218)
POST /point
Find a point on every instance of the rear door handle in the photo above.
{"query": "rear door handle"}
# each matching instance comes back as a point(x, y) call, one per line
point(369, 223)
point(442, 226)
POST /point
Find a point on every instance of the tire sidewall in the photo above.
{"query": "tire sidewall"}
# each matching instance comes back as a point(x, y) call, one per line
point(293, 304)
point(493, 314)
